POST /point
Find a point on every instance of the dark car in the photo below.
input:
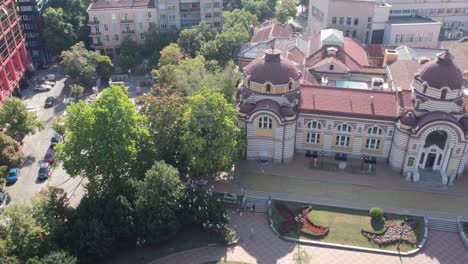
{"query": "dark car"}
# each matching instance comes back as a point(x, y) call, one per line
point(49, 156)
point(44, 171)
point(49, 102)
point(54, 140)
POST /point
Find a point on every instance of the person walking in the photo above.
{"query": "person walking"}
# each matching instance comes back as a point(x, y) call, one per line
point(253, 209)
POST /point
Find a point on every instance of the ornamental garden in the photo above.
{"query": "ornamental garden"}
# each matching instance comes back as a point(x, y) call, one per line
point(369, 229)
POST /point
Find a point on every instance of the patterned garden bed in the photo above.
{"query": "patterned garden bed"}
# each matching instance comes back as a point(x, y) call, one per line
point(394, 232)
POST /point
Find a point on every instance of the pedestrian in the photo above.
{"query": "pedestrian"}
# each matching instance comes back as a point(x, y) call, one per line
point(253, 209)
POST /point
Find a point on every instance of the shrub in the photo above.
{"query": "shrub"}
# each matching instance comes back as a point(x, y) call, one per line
point(229, 235)
point(376, 213)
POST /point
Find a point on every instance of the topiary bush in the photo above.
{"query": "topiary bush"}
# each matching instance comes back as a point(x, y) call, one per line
point(376, 213)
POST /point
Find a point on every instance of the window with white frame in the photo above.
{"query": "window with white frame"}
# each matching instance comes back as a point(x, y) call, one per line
point(373, 137)
point(265, 122)
point(344, 128)
point(313, 133)
point(343, 140)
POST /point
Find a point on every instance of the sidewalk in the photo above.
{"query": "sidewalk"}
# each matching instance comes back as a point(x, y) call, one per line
point(264, 247)
point(388, 190)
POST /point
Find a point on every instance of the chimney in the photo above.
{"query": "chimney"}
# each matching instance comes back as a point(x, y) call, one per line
point(390, 56)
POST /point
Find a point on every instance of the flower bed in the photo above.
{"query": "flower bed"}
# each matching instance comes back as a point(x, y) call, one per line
point(284, 211)
point(309, 228)
point(286, 225)
point(394, 232)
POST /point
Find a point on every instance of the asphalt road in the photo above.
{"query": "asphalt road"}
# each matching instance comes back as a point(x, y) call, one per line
point(35, 147)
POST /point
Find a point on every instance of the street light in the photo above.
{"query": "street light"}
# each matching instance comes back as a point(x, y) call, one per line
point(140, 243)
point(299, 220)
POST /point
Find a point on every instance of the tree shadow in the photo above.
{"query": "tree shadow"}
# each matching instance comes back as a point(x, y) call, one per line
point(28, 160)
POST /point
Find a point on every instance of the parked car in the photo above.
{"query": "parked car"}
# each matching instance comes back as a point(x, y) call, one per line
point(54, 140)
point(13, 175)
point(49, 102)
point(33, 110)
point(47, 83)
point(44, 171)
point(49, 156)
point(48, 77)
point(71, 100)
point(42, 88)
point(43, 67)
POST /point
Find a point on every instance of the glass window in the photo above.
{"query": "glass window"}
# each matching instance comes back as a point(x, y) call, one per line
point(344, 128)
point(265, 122)
point(356, 21)
point(268, 88)
point(342, 141)
point(334, 20)
point(348, 21)
point(372, 143)
point(314, 125)
point(313, 138)
point(374, 131)
point(341, 20)
point(354, 33)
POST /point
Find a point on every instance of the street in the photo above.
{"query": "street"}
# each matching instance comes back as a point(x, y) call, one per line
point(35, 146)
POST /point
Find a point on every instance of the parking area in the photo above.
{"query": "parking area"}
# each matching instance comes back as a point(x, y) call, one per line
point(35, 146)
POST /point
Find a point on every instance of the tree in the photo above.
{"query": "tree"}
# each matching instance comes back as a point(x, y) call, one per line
point(210, 138)
point(164, 115)
point(76, 90)
point(262, 9)
point(58, 124)
point(170, 55)
point(80, 64)
point(225, 47)
point(75, 14)
point(105, 68)
point(191, 40)
point(239, 19)
point(156, 202)
point(104, 140)
point(60, 34)
point(285, 9)
point(16, 120)
point(227, 81)
point(61, 257)
point(10, 152)
point(152, 45)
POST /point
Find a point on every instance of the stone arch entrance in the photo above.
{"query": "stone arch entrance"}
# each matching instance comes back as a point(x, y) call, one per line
point(432, 153)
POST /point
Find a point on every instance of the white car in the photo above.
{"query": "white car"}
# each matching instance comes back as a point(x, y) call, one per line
point(42, 87)
point(32, 109)
point(47, 83)
point(49, 77)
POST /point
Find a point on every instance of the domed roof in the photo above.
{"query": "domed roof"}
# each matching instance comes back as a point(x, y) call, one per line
point(441, 72)
point(464, 123)
point(246, 108)
point(271, 68)
point(287, 111)
point(408, 120)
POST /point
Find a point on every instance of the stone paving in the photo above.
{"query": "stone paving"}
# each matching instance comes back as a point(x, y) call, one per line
point(264, 247)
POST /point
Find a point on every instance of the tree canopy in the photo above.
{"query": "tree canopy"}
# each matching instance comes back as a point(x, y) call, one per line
point(10, 152)
point(210, 138)
point(262, 9)
point(59, 33)
point(170, 55)
point(239, 19)
point(285, 9)
point(16, 120)
point(80, 63)
point(191, 40)
point(104, 67)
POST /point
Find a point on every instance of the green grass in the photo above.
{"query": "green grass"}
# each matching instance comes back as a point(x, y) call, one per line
point(346, 225)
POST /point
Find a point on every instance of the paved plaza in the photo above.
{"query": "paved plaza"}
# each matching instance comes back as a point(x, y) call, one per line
point(387, 189)
point(264, 247)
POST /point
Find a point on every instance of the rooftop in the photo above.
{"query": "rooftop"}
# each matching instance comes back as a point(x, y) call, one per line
point(120, 4)
point(410, 20)
point(269, 32)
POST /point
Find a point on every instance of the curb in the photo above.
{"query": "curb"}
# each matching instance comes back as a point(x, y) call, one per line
point(461, 231)
point(355, 248)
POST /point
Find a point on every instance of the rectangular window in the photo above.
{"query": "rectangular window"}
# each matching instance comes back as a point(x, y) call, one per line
point(163, 26)
point(116, 37)
point(142, 36)
point(140, 26)
point(96, 29)
point(208, 15)
point(331, 67)
point(372, 143)
point(149, 14)
point(334, 20)
point(107, 38)
point(313, 138)
point(347, 33)
point(216, 14)
point(354, 33)
point(341, 20)
point(106, 28)
point(348, 21)
point(216, 5)
point(342, 141)
point(356, 21)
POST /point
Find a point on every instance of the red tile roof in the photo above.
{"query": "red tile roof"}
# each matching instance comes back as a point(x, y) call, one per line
point(349, 102)
point(273, 31)
point(296, 55)
point(356, 51)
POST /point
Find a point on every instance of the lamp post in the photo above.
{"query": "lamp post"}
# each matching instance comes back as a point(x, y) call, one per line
point(140, 243)
point(299, 220)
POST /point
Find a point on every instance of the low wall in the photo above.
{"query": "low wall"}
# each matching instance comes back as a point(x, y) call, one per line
point(461, 231)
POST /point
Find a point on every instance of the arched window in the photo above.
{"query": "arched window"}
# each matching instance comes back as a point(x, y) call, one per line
point(443, 94)
point(344, 128)
point(290, 85)
point(343, 140)
point(373, 137)
point(265, 122)
point(424, 88)
point(268, 88)
point(312, 134)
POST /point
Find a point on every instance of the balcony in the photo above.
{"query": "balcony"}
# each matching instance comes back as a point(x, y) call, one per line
point(128, 32)
point(96, 45)
point(126, 21)
point(91, 34)
point(93, 23)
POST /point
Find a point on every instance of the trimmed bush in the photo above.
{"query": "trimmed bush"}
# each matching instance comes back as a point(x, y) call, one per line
point(376, 213)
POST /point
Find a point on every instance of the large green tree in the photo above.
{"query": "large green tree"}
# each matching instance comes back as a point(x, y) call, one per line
point(263, 9)
point(156, 204)
point(105, 68)
point(76, 90)
point(104, 140)
point(16, 120)
point(170, 55)
point(80, 63)
point(226, 46)
point(285, 9)
point(239, 19)
point(61, 257)
point(10, 152)
point(210, 137)
point(152, 45)
point(130, 56)
point(58, 33)
point(191, 40)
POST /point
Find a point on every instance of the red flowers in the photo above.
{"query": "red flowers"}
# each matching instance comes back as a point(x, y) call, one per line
point(284, 211)
point(307, 227)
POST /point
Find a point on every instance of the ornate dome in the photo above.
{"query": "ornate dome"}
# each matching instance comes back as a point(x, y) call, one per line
point(408, 120)
point(287, 111)
point(271, 68)
point(464, 123)
point(441, 72)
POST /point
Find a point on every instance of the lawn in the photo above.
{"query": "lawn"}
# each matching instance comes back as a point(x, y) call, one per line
point(345, 226)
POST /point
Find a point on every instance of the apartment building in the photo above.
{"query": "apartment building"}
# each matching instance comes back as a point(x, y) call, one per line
point(370, 21)
point(453, 14)
point(30, 13)
point(111, 21)
point(13, 58)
